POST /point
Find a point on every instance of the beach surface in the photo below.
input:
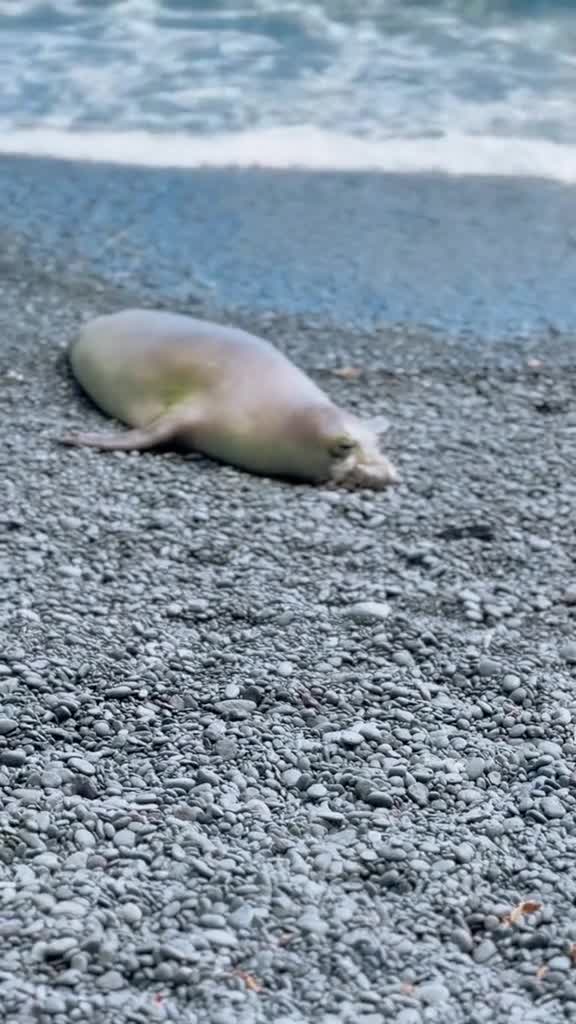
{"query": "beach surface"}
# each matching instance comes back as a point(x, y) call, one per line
point(230, 790)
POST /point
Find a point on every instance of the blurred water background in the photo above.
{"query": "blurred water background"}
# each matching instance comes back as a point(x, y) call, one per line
point(465, 85)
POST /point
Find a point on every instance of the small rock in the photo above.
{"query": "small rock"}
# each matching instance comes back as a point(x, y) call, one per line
point(568, 652)
point(464, 853)
point(235, 708)
point(220, 937)
point(7, 725)
point(418, 792)
point(317, 791)
point(84, 839)
point(377, 798)
point(475, 767)
point(403, 658)
point(367, 611)
point(118, 691)
point(560, 963)
point(54, 1003)
point(485, 951)
point(80, 764)
point(60, 949)
point(552, 807)
point(13, 758)
point(111, 981)
point(488, 667)
point(131, 913)
point(433, 993)
point(350, 738)
point(463, 940)
point(125, 837)
point(311, 922)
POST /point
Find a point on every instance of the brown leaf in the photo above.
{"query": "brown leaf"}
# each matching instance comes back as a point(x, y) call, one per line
point(348, 372)
point(542, 971)
point(526, 907)
point(250, 981)
point(572, 952)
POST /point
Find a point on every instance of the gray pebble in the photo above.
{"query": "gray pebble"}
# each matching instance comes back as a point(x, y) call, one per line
point(568, 652)
point(475, 768)
point(488, 667)
point(54, 1003)
point(418, 793)
point(80, 764)
point(552, 807)
point(378, 798)
point(351, 738)
point(463, 940)
point(464, 853)
point(310, 921)
point(111, 981)
point(317, 791)
point(130, 912)
point(485, 951)
point(560, 963)
point(235, 708)
point(125, 837)
point(61, 948)
point(433, 993)
point(7, 725)
point(367, 611)
point(119, 692)
point(13, 758)
point(403, 658)
point(220, 937)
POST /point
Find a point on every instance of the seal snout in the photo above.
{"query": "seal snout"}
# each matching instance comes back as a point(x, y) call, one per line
point(375, 475)
point(357, 460)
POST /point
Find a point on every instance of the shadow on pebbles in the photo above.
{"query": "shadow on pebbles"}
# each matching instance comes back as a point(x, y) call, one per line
point(284, 754)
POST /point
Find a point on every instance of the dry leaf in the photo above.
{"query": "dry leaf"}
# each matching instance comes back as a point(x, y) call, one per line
point(542, 972)
point(572, 952)
point(526, 907)
point(250, 981)
point(348, 373)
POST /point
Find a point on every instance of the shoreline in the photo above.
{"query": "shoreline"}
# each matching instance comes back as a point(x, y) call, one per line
point(463, 256)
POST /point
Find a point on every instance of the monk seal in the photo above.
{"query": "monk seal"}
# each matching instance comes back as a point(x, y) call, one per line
point(220, 391)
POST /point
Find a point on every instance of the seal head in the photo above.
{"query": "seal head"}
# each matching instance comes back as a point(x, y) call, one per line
point(351, 448)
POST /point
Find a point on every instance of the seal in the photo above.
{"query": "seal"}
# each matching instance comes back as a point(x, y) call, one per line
point(223, 392)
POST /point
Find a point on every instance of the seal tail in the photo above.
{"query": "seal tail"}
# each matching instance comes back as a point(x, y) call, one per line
point(162, 430)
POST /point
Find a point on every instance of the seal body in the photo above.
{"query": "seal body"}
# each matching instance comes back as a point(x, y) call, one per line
point(220, 391)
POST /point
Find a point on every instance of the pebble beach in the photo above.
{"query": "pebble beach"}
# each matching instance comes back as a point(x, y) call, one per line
point(274, 753)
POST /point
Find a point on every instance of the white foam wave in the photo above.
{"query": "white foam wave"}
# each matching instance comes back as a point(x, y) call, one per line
point(305, 148)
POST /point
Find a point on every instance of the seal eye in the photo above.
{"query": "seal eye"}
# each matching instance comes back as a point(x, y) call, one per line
point(342, 447)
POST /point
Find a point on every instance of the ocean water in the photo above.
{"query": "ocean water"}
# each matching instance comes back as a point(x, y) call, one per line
point(464, 85)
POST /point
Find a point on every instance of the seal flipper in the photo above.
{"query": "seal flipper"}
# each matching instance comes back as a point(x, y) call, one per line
point(165, 428)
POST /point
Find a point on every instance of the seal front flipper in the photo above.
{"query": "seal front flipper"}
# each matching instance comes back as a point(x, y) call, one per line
point(165, 428)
